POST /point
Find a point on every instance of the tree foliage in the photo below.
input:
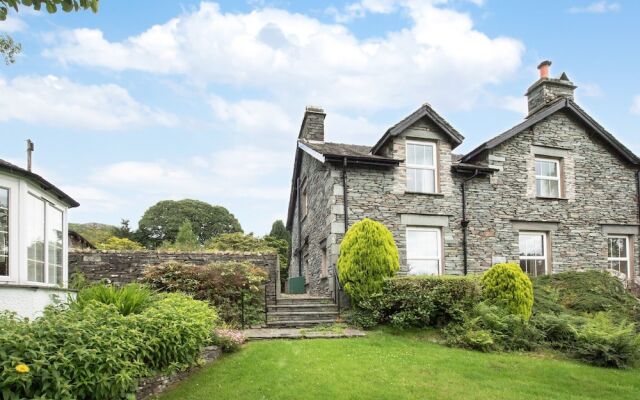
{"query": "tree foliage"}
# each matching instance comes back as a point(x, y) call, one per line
point(186, 239)
point(508, 285)
point(161, 222)
point(116, 243)
point(51, 6)
point(9, 49)
point(279, 231)
point(368, 255)
point(124, 231)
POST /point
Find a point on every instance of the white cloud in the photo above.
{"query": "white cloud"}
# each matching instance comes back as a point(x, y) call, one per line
point(635, 105)
point(515, 104)
point(92, 198)
point(590, 90)
point(12, 24)
point(252, 116)
point(598, 7)
point(295, 59)
point(57, 101)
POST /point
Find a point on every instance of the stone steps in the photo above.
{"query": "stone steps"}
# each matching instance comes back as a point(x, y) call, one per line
point(301, 312)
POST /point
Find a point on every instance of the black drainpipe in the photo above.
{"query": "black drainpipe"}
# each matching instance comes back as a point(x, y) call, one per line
point(299, 229)
point(344, 195)
point(465, 221)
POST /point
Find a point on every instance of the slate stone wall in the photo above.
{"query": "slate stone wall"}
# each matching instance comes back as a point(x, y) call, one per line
point(124, 267)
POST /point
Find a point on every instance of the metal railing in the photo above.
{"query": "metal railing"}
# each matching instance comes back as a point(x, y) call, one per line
point(336, 287)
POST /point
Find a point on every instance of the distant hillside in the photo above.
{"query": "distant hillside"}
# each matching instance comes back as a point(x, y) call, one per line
point(94, 232)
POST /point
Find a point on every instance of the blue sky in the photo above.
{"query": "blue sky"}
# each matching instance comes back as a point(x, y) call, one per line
point(152, 100)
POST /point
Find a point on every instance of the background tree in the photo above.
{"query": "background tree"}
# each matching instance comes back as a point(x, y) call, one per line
point(279, 231)
point(186, 239)
point(8, 48)
point(162, 221)
point(124, 231)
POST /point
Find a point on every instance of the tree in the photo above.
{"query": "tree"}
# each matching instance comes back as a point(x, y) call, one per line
point(124, 231)
point(368, 255)
point(186, 239)
point(279, 231)
point(162, 221)
point(8, 48)
point(237, 242)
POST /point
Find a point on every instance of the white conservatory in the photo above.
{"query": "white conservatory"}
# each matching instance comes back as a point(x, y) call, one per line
point(33, 241)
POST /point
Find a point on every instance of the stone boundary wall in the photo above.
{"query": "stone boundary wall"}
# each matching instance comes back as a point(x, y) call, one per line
point(151, 387)
point(122, 267)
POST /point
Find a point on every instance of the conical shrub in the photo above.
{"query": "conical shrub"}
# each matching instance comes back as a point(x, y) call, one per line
point(368, 255)
point(507, 285)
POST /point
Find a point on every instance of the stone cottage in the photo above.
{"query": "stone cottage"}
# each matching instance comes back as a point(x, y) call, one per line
point(553, 193)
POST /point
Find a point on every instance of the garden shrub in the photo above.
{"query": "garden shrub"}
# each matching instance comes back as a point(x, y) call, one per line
point(116, 243)
point(129, 299)
point(229, 340)
point(368, 255)
point(588, 292)
point(424, 301)
point(222, 284)
point(603, 342)
point(95, 352)
point(493, 327)
point(362, 318)
point(507, 285)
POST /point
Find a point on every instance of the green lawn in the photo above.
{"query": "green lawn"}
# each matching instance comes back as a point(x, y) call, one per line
point(388, 366)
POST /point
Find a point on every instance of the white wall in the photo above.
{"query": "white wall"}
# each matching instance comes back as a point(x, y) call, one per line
point(29, 302)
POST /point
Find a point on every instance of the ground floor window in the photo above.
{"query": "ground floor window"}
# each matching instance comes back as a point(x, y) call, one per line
point(424, 254)
point(618, 257)
point(4, 231)
point(533, 253)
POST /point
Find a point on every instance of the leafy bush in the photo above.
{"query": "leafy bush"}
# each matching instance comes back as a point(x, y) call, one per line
point(424, 301)
point(605, 343)
point(586, 292)
point(222, 284)
point(228, 340)
point(368, 255)
point(116, 243)
point(492, 327)
point(508, 285)
point(129, 299)
point(95, 352)
point(362, 318)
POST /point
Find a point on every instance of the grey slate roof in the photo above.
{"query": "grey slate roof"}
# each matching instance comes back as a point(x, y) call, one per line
point(424, 110)
point(43, 183)
point(557, 105)
point(344, 150)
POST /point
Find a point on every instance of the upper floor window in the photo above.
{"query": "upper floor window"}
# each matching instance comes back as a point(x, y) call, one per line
point(422, 170)
point(424, 255)
point(618, 257)
point(4, 232)
point(44, 242)
point(533, 253)
point(548, 178)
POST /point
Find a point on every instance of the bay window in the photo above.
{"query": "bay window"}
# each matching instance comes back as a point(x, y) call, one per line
point(44, 242)
point(422, 169)
point(4, 232)
point(533, 253)
point(618, 257)
point(424, 254)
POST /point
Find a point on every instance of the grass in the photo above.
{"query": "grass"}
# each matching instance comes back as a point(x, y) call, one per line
point(386, 365)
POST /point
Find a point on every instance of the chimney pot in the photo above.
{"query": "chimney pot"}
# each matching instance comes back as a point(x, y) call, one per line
point(544, 69)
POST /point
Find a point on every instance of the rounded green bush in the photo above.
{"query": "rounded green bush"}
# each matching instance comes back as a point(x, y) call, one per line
point(368, 254)
point(508, 285)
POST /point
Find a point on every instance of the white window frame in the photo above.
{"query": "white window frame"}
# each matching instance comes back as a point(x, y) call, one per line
point(439, 257)
point(434, 167)
point(8, 232)
point(550, 178)
point(545, 249)
point(628, 255)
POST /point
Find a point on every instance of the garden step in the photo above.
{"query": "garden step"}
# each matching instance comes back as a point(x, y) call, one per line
point(300, 324)
point(302, 316)
point(304, 300)
point(302, 307)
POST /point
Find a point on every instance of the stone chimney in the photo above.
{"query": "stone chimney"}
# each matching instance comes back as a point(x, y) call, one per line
point(546, 89)
point(313, 124)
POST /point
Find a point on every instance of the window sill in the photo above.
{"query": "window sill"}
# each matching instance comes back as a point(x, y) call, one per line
point(425, 194)
point(552, 198)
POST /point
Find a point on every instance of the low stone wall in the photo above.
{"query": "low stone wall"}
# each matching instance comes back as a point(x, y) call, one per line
point(122, 267)
point(154, 386)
